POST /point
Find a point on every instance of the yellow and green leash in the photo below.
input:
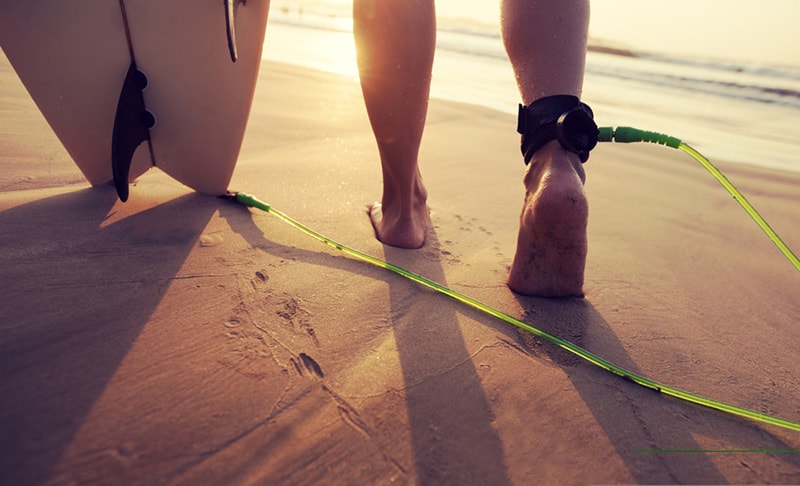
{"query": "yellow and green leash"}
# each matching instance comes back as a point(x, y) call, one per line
point(607, 134)
point(628, 134)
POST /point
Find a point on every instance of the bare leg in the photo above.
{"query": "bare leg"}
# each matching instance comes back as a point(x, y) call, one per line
point(546, 42)
point(395, 41)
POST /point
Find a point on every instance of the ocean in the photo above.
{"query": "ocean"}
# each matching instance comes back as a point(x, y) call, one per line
point(733, 109)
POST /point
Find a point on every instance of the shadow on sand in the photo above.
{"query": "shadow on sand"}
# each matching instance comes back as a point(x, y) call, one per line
point(637, 420)
point(75, 295)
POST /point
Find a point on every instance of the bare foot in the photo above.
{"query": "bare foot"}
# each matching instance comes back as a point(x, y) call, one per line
point(552, 245)
point(403, 224)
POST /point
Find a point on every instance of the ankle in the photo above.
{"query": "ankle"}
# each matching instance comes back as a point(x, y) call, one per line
point(552, 160)
point(407, 195)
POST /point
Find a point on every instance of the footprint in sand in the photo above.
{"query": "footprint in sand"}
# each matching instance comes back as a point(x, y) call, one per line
point(305, 364)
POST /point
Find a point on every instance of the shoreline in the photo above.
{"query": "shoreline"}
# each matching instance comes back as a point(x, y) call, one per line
point(723, 128)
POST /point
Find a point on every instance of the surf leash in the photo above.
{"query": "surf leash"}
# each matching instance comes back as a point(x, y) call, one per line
point(628, 135)
point(622, 135)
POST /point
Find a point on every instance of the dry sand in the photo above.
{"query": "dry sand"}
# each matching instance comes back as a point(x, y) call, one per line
point(182, 339)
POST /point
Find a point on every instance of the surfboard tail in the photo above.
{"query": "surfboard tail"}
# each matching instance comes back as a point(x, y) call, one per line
point(84, 78)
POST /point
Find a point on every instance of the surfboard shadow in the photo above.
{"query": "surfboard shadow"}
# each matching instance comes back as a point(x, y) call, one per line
point(76, 293)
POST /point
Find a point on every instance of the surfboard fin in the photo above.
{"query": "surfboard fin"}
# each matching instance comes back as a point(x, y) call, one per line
point(132, 124)
point(230, 27)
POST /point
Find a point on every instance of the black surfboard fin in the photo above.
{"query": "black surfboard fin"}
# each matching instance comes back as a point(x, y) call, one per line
point(132, 124)
point(230, 27)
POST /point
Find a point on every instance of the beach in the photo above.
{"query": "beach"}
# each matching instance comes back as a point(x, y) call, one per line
point(182, 339)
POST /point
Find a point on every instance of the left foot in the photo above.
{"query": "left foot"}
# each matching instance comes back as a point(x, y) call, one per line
point(402, 222)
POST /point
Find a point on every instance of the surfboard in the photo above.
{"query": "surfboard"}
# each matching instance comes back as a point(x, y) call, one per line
point(131, 84)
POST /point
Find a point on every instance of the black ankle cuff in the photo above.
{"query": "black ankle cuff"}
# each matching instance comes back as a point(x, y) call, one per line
point(559, 117)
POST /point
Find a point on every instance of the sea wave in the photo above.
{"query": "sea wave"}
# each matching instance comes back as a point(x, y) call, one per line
point(778, 85)
point(772, 84)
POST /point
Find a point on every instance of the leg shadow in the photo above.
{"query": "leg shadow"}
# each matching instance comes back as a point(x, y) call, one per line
point(75, 295)
point(633, 418)
point(453, 439)
point(450, 418)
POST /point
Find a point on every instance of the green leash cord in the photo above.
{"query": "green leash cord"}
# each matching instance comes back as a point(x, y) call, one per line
point(607, 134)
point(628, 134)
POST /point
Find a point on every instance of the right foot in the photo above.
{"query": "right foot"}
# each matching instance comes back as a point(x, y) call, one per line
point(552, 243)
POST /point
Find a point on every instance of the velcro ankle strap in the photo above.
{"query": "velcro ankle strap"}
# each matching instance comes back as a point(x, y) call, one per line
point(560, 117)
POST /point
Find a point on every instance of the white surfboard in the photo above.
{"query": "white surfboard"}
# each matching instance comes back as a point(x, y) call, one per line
point(85, 62)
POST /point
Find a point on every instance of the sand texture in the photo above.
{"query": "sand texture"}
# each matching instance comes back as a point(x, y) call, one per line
point(182, 339)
